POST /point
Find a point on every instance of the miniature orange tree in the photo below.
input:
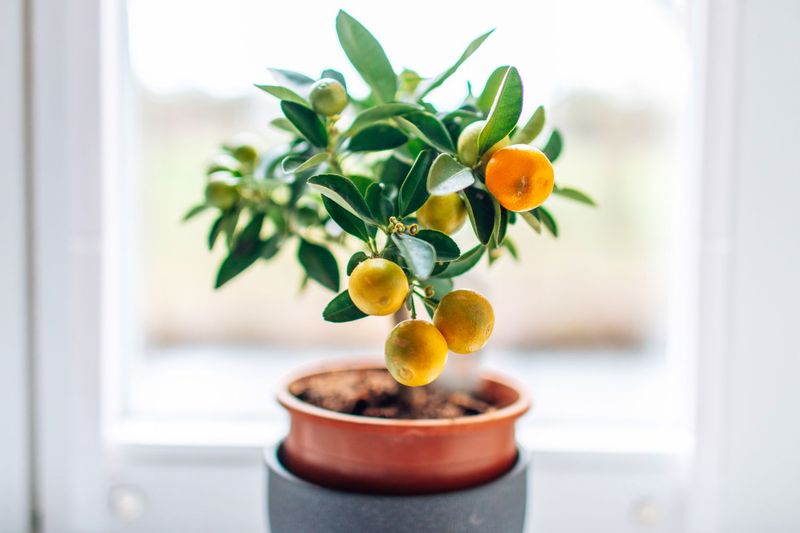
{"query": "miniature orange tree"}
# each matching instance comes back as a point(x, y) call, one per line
point(398, 175)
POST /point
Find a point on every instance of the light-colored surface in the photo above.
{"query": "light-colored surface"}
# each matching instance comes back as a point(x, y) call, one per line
point(14, 442)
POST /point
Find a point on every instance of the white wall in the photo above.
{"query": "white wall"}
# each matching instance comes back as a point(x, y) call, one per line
point(749, 382)
point(14, 488)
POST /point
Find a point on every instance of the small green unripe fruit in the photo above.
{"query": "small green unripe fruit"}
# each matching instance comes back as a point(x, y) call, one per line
point(243, 148)
point(328, 97)
point(222, 190)
point(468, 144)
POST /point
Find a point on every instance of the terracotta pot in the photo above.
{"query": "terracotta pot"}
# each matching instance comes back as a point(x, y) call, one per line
point(386, 456)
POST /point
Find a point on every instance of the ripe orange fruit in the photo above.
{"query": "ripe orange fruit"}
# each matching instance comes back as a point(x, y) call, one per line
point(445, 213)
point(328, 97)
point(378, 286)
point(468, 144)
point(466, 320)
point(416, 353)
point(520, 177)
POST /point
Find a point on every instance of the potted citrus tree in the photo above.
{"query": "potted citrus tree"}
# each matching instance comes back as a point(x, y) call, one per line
point(377, 446)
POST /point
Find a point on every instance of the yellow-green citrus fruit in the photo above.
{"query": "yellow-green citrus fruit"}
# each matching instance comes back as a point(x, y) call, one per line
point(445, 213)
point(378, 286)
point(468, 144)
point(222, 190)
point(520, 177)
point(466, 320)
point(328, 97)
point(243, 148)
point(416, 353)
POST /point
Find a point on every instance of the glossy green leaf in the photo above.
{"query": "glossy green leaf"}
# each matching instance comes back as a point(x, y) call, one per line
point(292, 78)
point(346, 220)
point(428, 128)
point(378, 202)
point(283, 93)
point(419, 255)
point(481, 210)
point(447, 176)
point(245, 252)
point(271, 246)
point(414, 191)
point(464, 263)
point(342, 309)
point(319, 264)
point(293, 164)
point(282, 123)
point(527, 133)
point(355, 260)
point(216, 229)
point(532, 220)
point(486, 98)
point(342, 191)
point(509, 245)
point(501, 225)
point(307, 123)
point(505, 111)
point(362, 183)
point(394, 170)
point(574, 194)
point(377, 113)
point(367, 56)
point(446, 248)
point(377, 137)
point(553, 147)
point(429, 85)
point(547, 219)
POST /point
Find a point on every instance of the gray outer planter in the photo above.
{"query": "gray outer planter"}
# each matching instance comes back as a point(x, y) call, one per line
point(296, 506)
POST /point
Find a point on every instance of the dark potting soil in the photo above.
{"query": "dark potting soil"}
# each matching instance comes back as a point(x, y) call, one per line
point(375, 393)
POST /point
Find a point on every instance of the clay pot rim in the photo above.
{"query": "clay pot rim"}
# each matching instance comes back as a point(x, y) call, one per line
point(510, 412)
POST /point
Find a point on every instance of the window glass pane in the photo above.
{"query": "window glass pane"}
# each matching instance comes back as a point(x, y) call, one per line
point(615, 84)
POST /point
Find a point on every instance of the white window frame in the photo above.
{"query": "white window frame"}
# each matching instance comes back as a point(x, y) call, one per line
point(73, 93)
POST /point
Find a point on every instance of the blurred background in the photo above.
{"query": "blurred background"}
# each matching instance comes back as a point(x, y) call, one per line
point(656, 334)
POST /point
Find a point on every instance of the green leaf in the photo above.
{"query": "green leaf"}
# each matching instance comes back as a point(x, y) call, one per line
point(428, 128)
point(283, 124)
point(574, 194)
point(546, 219)
point(553, 147)
point(379, 204)
point(446, 248)
point(229, 224)
point(342, 309)
point(349, 222)
point(355, 260)
point(527, 133)
point(481, 210)
point(194, 211)
point(464, 263)
point(294, 164)
point(307, 123)
point(282, 93)
point(271, 246)
point(448, 176)
point(440, 286)
point(420, 256)
point(367, 56)
point(394, 171)
point(342, 191)
point(486, 98)
point(319, 264)
point(216, 229)
point(335, 75)
point(377, 137)
point(512, 248)
point(379, 112)
point(532, 220)
point(413, 191)
point(292, 78)
point(501, 227)
point(245, 252)
point(431, 84)
point(505, 111)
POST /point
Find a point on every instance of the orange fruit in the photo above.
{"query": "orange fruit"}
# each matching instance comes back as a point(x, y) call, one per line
point(415, 352)
point(466, 320)
point(378, 286)
point(520, 177)
point(445, 213)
